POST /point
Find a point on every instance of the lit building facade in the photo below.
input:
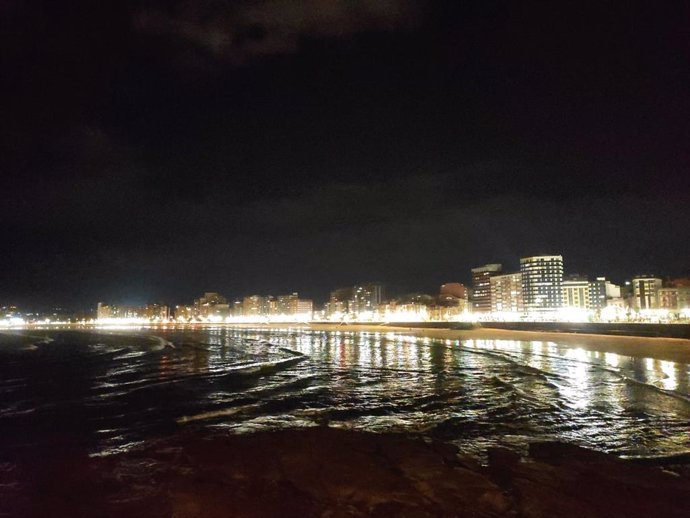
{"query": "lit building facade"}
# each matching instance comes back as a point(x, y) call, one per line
point(303, 307)
point(542, 283)
point(150, 312)
point(361, 301)
point(602, 292)
point(481, 287)
point(184, 313)
point(683, 298)
point(506, 293)
point(291, 305)
point(646, 292)
point(366, 298)
point(284, 304)
point(576, 293)
point(597, 294)
point(339, 302)
point(399, 311)
point(674, 299)
point(255, 306)
point(211, 306)
point(103, 311)
point(159, 312)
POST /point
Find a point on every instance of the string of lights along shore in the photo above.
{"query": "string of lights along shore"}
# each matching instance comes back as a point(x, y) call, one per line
point(538, 291)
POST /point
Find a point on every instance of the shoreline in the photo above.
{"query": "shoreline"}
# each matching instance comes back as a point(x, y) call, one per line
point(660, 348)
point(668, 349)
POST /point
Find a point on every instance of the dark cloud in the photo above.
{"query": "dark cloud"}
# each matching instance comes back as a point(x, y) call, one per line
point(234, 31)
point(344, 233)
point(155, 150)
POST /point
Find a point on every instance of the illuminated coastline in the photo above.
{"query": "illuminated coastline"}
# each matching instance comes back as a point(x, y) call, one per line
point(538, 292)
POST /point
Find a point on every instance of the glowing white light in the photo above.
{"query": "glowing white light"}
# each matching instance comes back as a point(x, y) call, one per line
point(573, 315)
point(611, 313)
point(611, 359)
point(670, 382)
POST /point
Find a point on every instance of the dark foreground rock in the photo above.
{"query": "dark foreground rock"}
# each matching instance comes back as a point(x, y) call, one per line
point(332, 473)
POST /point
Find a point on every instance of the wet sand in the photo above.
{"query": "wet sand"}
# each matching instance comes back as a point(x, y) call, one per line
point(669, 349)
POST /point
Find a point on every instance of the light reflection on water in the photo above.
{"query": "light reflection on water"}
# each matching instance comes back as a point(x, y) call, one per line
point(110, 389)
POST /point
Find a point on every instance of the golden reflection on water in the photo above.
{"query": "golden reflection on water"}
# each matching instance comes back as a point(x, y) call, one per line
point(378, 379)
point(611, 359)
point(575, 377)
point(670, 379)
point(579, 390)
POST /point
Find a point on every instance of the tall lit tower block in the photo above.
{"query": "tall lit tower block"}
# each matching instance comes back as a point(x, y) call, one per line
point(542, 283)
point(481, 287)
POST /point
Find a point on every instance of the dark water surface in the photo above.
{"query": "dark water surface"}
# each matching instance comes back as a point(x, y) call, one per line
point(108, 391)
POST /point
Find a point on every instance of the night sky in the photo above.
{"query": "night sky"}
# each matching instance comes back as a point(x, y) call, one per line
point(152, 150)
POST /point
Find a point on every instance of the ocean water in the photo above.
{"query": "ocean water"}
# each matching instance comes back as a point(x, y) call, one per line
point(110, 391)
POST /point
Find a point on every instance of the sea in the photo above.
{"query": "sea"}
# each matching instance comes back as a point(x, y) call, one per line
point(112, 390)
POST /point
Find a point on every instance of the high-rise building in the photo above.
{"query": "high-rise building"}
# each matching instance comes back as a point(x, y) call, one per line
point(481, 287)
point(542, 283)
point(104, 311)
point(576, 293)
point(646, 292)
point(211, 305)
point(211, 297)
point(153, 312)
point(506, 293)
point(366, 297)
point(284, 304)
point(292, 305)
point(255, 306)
point(339, 302)
point(303, 307)
point(184, 313)
point(601, 291)
point(597, 293)
point(156, 312)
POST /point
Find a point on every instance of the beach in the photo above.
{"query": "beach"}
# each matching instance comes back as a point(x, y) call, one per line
point(668, 349)
point(349, 420)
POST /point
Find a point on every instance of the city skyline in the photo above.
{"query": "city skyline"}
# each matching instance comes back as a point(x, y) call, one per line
point(344, 257)
point(540, 286)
